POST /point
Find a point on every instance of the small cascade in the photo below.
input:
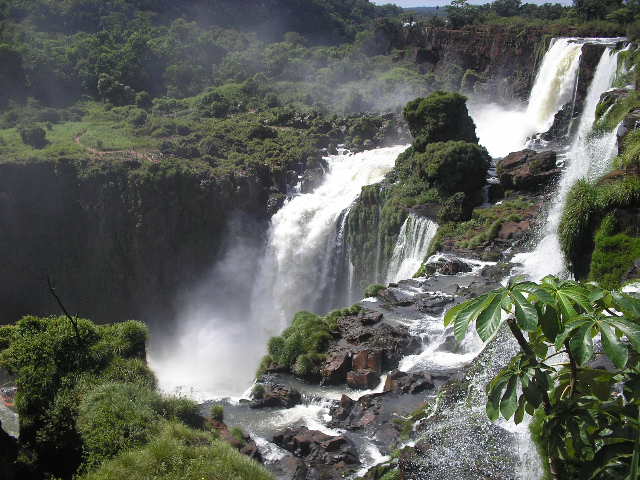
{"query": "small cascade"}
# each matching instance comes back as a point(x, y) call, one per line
point(589, 156)
point(300, 265)
point(411, 247)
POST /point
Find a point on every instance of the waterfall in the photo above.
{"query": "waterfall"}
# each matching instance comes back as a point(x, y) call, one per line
point(505, 129)
point(589, 156)
point(555, 83)
point(411, 247)
point(299, 266)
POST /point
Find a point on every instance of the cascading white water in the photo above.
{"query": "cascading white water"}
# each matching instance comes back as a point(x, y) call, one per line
point(297, 267)
point(503, 130)
point(411, 247)
point(555, 83)
point(589, 157)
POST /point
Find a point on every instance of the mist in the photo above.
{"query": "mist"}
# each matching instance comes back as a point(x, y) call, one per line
point(216, 345)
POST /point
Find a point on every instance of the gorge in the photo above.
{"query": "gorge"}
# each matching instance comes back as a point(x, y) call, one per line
point(399, 254)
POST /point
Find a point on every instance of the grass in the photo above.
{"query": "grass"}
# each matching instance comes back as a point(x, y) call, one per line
point(180, 453)
point(483, 227)
point(589, 235)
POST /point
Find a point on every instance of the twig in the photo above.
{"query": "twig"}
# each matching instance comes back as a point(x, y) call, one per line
point(73, 321)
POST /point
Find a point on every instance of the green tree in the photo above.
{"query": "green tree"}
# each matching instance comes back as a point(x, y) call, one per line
point(596, 9)
point(33, 135)
point(461, 13)
point(507, 8)
point(587, 416)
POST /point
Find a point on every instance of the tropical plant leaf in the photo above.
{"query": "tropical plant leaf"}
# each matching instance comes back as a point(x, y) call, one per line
point(494, 393)
point(629, 328)
point(581, 344)
point(614, 349)
point(509, 401)
point(550, 322)
point(626, 304)
point(526, 313)
point(490, 317)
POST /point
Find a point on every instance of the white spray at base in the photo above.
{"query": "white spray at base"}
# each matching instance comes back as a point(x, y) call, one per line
point(298, 266)
point(588, 158)
point(411, 247)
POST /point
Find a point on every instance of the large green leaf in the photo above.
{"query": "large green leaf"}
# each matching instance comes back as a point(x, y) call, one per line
point(509, 401)
point(490, 317)
point(629, 328)
point(464, 314)
point(626, 304)
point(494, 394)
point(614, 349)
point(550, 322)
point(581, 344)
point(526, 313)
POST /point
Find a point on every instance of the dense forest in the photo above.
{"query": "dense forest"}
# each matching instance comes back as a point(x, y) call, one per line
point(134, 132)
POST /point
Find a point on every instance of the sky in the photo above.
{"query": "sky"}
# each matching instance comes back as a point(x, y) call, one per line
point(433, 3)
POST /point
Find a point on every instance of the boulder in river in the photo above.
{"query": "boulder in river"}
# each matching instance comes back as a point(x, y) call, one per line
point(362, 379)
point(275, 396)
point(325, 456)
point(447, 266)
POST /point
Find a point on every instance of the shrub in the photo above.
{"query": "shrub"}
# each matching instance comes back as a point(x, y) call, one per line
point(440, 117)
point(116, 417)
point(217, 413)
point(55, 370)
point(180, 453)
point(33, 136)
point(182, 409)
point(373, 290)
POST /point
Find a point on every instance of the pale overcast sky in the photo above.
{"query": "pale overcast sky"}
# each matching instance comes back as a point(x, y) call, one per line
point(433, 3)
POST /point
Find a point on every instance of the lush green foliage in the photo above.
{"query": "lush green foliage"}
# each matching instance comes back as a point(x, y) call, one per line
point(180, 453)
point(440, 117)
point(85, 399)
point(55, 369)
point(587, 206)
point(114, 417)
point(302, 346)
point(588, 430)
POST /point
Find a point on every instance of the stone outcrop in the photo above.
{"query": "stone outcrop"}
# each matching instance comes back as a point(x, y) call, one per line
point(323, 456)
point(528, 170)
point(365, 346)
point(276, 396)
point(447, 266)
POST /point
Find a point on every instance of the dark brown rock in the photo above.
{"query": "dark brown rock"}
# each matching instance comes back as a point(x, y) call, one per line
point(362, 379)
point(335, 368)
point(385, 345)
point(433, 304)
point(277, 396)
point(447, 266)
point(511, 230)
point(528, 170)
point(402, 382)
point(368, 360)
point(325, 456)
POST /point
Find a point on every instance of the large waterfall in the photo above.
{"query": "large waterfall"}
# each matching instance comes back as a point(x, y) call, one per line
point(413, 242)
point(589, 156)
point(300, 265)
